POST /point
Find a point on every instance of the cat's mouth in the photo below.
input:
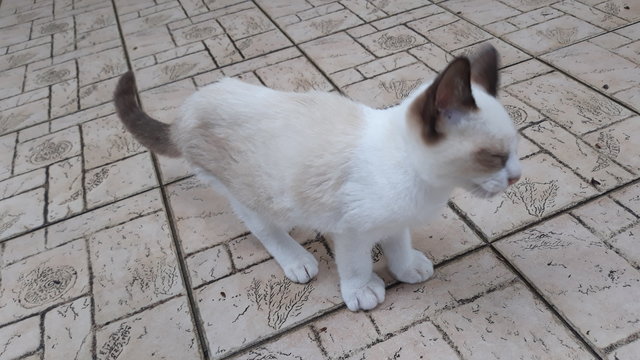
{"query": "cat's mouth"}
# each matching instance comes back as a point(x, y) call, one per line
point(480, 192)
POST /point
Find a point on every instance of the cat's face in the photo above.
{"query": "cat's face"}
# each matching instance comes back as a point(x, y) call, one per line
point(465, 128)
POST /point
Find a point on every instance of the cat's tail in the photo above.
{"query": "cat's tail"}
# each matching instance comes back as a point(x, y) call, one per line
point(153, 134)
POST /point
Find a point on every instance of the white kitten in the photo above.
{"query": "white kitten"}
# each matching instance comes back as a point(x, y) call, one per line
point(321, 161)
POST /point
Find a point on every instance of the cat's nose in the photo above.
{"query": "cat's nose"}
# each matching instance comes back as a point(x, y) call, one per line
point(513, 180)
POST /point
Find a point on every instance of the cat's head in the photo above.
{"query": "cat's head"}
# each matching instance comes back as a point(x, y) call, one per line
point(462, 134)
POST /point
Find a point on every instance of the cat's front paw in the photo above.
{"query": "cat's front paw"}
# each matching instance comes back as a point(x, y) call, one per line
point(364, 297)
point(301, 269)
point(419, 270)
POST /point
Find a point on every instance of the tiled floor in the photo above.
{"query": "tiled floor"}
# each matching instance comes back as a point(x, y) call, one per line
point(111, 253)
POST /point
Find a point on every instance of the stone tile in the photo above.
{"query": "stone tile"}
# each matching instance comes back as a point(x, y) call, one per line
point(245, 23)
point(593, 165)
point(344, 331)
point(12, 82)
point(626, 244)
point(500, 28)
point(169, 54)
point(522, 114)
point(65, 193)
point(336, 52)
point(546, 187)
point(552, 34)
point(82, 116)
point(630, 97)
point(247, 250)
point(444, 237)
point(454, 283)
point(197, 32)
point(209, 265)
point(142, 247)
point(386, 64)
point(527, 148)
point(534, 17)
point(101, 66)
point(20, 338)
point(7, 147)
point(572, 105)
point(278, 8)
point(523, 71)
point(50, 75)
point(617, 141)
point(630, 51)
point(53, 27)
point(44, 280)
point(590, 285)
point(432, 56)
point(391, 41)
point(321, 10)
point(262, 43)
point(457, 35)
point(366, 10)
point(123, 178)
point(260, 301)
point(14, 34)
point(156, 19)
point(145, 335)
point(148, 42)
point(172, 169)
point(626, 352)
point(163, 102)
point(23, 246)
point(621, 9)
point(629, 196)
point(64, 98)
point(24, 57)
point(95, 19)
point(33, 132)
point(223, 50)
point(439, 19)
point(407, 16)
point(202, 217)
point(507, 324)
point(21, 183)
point(255, 64)
point(21, 213)
point(114, 214)
point(24, 115)
point(390, 88)
point(423, 338)
point(173, 70)
point(610, 40)
point(299, 344)
point(322, 25)
point(67, 331)
point(63, 42)
point(97, 37)
point(481, 12)
point(296, 75)
point(346, 77)
point(630, 32)
point(603, 67)
point(528, 5)
point(604, 216)
point(106, 140)
point(590, 14)
point(97, 93)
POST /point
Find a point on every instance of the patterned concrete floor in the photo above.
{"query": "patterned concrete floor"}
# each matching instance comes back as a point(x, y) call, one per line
point(111, 253)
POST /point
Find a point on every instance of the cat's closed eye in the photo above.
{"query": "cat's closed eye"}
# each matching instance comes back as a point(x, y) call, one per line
point(491, 159)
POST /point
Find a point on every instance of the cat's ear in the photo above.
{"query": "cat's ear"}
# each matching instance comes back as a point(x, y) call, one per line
point(484, 69)
point(453, 87)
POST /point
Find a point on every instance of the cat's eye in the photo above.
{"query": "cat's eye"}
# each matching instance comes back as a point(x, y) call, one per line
point(491, 159)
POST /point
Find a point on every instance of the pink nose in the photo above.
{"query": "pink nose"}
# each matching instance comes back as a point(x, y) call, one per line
point(513, 180)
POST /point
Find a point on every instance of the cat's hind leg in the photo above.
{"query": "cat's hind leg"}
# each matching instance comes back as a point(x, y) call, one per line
point(406, 263)
point(296, 262)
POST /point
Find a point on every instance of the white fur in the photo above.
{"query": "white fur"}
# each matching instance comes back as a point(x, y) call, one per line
point(321, 161)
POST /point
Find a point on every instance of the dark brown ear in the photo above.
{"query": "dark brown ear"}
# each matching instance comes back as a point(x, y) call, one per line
point(451, 90)
point(484, 69)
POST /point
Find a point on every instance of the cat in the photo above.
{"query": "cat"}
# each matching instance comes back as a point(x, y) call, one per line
point(321, 161)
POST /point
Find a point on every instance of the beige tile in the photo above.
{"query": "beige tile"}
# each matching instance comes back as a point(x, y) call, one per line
point(171, 54)
point(209, 265)
point(260, 302)
point(391, 41)
point(87, 223)
point(322, 25)
point(366, 10)
point(320, 10)
point(33, 132)
point(522, 114)
point(589, 284)
point(262, 43)
point(296, 75)
point(202, 217)
point(439, 19)
point(523, 71)
point(407, 16)
point(64, 98)
point(21, 213)
point(336, 52)
point(344, 331)
point(102, 66)
point(590, 14)
point(82, 116)
point(630, 51)
point(146, 335)
point(148, 42)
point(12, 82)
point(7, 145)
point(528, 5)
point(534, 17)
point(423, 338)
point(626, 352)
point(23, 246)
point(457, 35)
point(245, 23)
point(197, 32)
point(618, 142)
point(546, 187)
point(622, 9)
point(133, 266)
point(247, 250)
point(156, 19)
point(95, 19)
point(44, 280)
point(630, 97)
point(629, 196)
point(21, 183)
point(50, 75)
point(362, 30)
point(346, 77)
point(106, 140)
point(509, 324)
point(67, 331)
point(610, 40)
point(278, 8)
point(25, 56)
point(172, 169)
point(630, 31)
point(500, 28)
point(97, 93)
point(266, 60)
point(386, 64)
point(223, 50)
point(481, 11)
point(604, 216)
point(121, 179)
point(552, 34)
point(163, 103)
point(20, 338)
point(593, 165)
point(173, 70)
point(456, 282)
point(24, 115)
point(53, 27)
point(626, 244)
point(432, 56)
point(390, 88)
point(65, 193)
point(572, 105)
point(299, 344)
point(14, 34)
point(596, 66)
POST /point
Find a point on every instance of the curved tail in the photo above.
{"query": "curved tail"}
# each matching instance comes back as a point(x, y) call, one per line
point(151, 133)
